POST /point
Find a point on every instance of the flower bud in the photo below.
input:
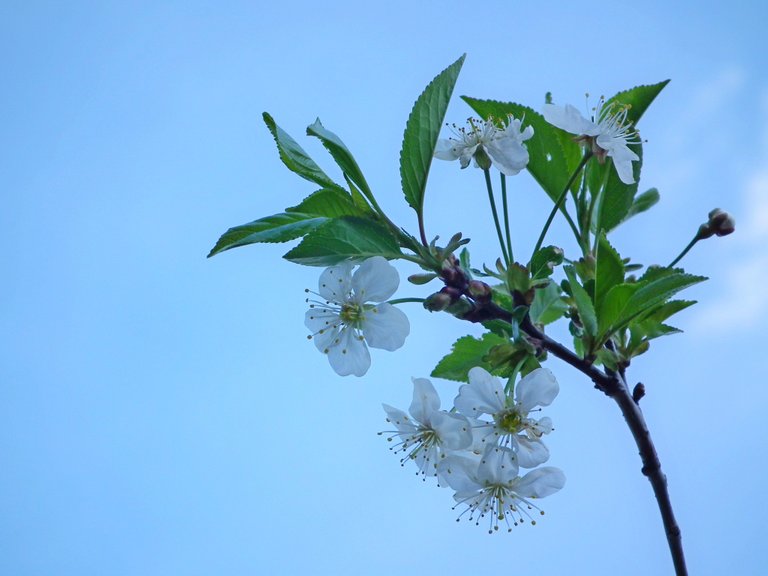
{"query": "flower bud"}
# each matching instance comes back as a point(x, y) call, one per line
point(420, 279)
point(721, 223)
point(480, 291)
point(437, 302)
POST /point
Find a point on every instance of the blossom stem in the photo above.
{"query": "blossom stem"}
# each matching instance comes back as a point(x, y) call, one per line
point(685, 250)
point(505, 207)
point(404, 300)
point(489, 187)
point(560, 201)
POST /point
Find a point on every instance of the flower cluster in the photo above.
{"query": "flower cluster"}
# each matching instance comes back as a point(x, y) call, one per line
point(487, 144)
point(353, 312)
point(479, 447)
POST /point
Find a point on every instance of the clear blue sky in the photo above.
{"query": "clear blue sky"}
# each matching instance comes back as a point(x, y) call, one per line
point(161, 413)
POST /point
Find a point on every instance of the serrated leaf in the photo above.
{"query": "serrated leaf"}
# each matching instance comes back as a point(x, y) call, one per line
point(583, 302)
point(547, 305)
point(328, 202)
point(553, 155)
point(466, 353)
point(341, 155)
point(609, 269)
point(276, 228)
point(648, 294)
point(344, 238)
point(421, 132)
point(613, 308)
point(295, 158)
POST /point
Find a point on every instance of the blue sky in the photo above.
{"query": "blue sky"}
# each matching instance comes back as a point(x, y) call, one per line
point(161, 413)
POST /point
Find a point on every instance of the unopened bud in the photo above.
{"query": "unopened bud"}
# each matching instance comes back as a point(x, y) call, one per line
point(480, 291)
point(420, 279)
point(721, 222)
point(437, 302)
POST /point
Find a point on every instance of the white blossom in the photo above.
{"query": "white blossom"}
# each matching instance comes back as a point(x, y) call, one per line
point(512, 426)
point(608, 133)
point(490, 486)
point(428, 434)
point(354, 313)
point(484, 141)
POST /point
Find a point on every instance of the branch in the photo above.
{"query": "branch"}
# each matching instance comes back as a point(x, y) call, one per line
point(614, 385)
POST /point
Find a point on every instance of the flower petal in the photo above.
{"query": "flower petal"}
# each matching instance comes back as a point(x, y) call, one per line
point(425, 400)
point(568, 118)
point(531, 453)
point(447, 149)
point(540, 482)
point(324, 325)
point(459, 471)
point(508, 155)
point(498, 466)
point(539, 388)
point(375, 280)
point(400, 419)
point(335, 282)
point(350, 355)
point(483, 395)
point(385, 327)
point(453, 430)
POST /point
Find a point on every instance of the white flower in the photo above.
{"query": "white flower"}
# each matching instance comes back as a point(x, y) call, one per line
point(511, 427)
point(429, 433)
point(487, 144)
point(607, 132)
point(353, 314)
point(491, 486)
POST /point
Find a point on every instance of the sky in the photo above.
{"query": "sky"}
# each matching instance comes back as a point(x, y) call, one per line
point(164, 413)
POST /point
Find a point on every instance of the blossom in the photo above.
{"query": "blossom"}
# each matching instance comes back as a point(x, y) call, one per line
point(607, 132)
point(428, 434)
point(490, 486)
point(354, 313)
point(512, 427)
point(487, 143)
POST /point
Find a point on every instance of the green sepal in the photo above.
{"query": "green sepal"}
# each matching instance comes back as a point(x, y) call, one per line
point(421, 133)
point(348, 237)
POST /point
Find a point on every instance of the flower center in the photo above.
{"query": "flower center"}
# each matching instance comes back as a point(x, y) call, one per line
point(509, 420)
point(351, 313)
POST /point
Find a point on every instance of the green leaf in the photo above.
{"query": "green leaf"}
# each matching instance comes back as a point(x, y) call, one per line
point(276, 228)
point(553, 155)
point(643, 202)
point(328, 202)
point(547, 305)
point(654, 289)
point(344, 238)
point(295, 158)
point(421, 132)
point(613, 308)
point(544, 261)
point(341, 155)
point(583, 302)
point(609, 269)
point(466, 353)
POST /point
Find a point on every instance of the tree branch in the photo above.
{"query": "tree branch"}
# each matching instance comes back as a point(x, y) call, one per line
point(614, 385)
